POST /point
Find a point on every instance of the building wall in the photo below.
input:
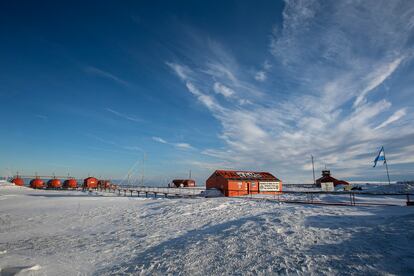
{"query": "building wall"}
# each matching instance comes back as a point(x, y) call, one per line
point(242, 187)
point(218, 182)
point(189, 183)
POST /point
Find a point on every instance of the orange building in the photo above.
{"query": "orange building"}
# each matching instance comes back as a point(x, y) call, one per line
point(104, 184)
point(70, 183)
point(18, 181)
point(239, 183)
point(37, 183)
point(54, 183)
point(90, 183)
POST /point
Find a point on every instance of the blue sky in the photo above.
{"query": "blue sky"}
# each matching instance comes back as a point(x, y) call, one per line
point(90, 88)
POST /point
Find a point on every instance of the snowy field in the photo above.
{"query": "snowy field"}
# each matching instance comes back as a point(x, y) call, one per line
point(75, 233)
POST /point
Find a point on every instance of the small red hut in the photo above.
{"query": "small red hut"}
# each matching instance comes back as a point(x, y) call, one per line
point(18, 180)
point(70, 183)
point(90, 183)
point(183, 183)
point(54, 183)
point(104, 184)
point(238, 183)
point(327, 182)
point(37, 183)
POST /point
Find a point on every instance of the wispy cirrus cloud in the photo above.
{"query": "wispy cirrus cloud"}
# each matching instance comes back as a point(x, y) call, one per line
point(335, 59)
point(183, 146)
point(159, 140)
point(102, 73)
point(223, 90)
point(260, 76)
point(114, 146)
point(124, 116)
point(394, 117)
point(377, 77)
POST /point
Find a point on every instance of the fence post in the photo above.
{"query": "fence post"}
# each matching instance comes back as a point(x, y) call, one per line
point(409, 203)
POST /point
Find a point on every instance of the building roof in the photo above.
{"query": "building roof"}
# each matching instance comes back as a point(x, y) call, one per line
point(182, 180)
point(326, 177)
point(245, 175)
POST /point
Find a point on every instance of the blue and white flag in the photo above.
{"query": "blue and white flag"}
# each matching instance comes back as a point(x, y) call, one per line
point(380, 157)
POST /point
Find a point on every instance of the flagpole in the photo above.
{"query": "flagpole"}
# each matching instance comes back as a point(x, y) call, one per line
point(386, 166)
point(313, 170)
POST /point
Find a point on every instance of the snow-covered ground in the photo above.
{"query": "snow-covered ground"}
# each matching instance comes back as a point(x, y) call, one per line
point(75, 233)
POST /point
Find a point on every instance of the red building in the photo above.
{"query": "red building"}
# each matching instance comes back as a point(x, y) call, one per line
point(238, 183)
point(104, 184)
point(327, 179)
point(37, 183)
point(90, 183)
point(54, 183)
point(183, 183)
point(70, 183)
point(18, 181)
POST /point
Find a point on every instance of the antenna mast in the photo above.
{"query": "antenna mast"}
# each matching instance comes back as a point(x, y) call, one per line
point(143, 168)
point(313, 170)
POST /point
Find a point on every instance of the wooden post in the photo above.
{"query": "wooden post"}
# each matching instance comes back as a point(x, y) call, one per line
point(409, 203)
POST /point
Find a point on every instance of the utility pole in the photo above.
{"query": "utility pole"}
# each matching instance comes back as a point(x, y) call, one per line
point(313, 170)
point(143, 168)
point(189, 175)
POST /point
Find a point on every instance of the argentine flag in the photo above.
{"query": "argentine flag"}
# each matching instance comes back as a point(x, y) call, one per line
point(380, 157)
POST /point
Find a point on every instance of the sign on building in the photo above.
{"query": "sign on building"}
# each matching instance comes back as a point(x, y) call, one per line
point(269, 186)
point(327, 186)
